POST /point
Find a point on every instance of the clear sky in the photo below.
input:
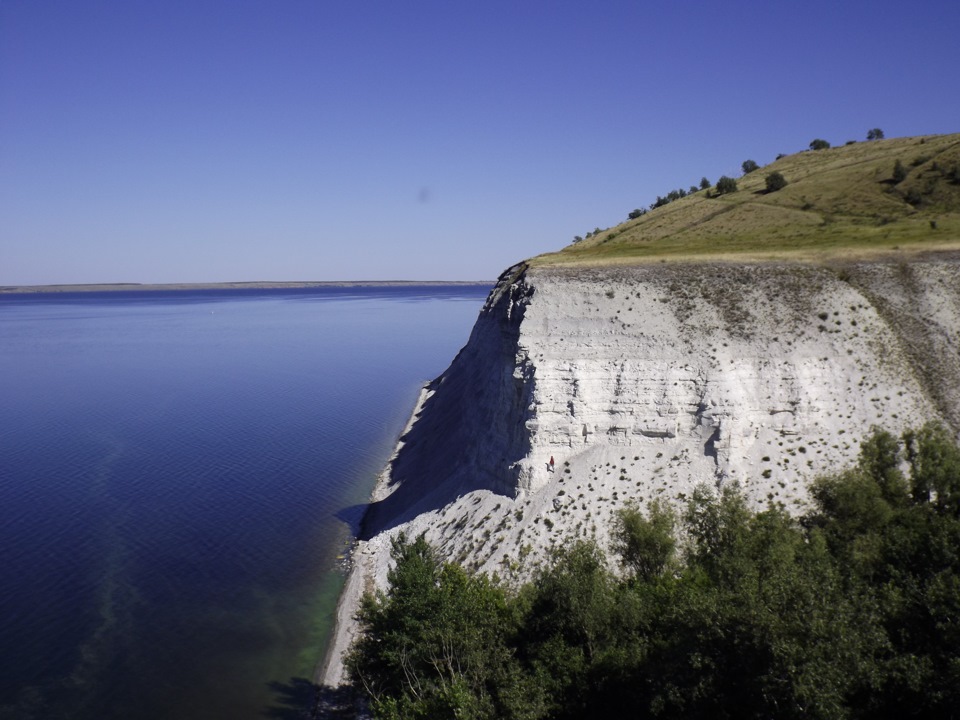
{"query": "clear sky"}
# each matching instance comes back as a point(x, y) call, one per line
point(205, 141)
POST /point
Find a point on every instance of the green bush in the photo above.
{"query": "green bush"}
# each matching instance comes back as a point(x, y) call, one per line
point(749, 166)
point(819, 144)
point(645, 544)
point(875, 134)
point(726, 185)
point(433, 644)
point(775, 181)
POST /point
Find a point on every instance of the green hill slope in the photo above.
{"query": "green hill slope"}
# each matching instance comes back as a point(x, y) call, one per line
point(845, 202)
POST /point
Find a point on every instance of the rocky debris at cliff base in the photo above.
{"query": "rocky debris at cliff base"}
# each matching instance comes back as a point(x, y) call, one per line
point(344, 561)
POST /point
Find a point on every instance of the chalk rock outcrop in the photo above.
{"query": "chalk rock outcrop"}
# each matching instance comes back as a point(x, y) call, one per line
point(666, 376)
point(641, 382)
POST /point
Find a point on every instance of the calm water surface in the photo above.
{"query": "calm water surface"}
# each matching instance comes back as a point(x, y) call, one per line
point(177, 476)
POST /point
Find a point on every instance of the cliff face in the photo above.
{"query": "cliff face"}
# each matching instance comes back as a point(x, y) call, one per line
point(641, 382)
point(469, 429)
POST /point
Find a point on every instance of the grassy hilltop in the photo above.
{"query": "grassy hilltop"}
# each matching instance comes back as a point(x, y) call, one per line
point(858, 200)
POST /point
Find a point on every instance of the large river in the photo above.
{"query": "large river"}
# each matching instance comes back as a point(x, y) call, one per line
point(178, 473)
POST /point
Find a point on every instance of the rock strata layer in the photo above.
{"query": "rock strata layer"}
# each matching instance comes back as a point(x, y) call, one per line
point(642, 382)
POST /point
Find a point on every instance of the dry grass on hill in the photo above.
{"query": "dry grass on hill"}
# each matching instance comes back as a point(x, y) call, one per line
point(839, 202)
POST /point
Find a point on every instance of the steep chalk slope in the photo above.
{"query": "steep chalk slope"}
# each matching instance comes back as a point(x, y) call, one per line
point(642, 382)
point(469, 429)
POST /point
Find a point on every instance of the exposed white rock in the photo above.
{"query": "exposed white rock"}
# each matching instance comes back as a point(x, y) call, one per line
point(643, 382)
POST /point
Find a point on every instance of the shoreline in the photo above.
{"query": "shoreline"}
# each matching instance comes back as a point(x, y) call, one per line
point(253, 285)
point(367, 558)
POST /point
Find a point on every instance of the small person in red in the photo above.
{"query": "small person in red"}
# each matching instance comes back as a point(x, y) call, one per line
point(551, 463)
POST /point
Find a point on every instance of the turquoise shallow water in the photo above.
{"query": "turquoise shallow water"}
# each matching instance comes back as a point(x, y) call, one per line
point(177, 474)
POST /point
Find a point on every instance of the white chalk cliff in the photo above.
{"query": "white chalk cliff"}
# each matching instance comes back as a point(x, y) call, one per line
point(642, 382)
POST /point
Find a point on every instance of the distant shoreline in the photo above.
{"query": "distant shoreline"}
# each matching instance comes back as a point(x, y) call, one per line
point(254, 285)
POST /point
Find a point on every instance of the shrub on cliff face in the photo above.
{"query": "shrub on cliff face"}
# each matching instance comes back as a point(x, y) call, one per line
point(435, 644)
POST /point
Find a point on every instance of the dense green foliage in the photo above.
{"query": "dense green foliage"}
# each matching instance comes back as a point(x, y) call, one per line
point(748, 166)
point(875, 134)
point(852, 611)
point(819, 144)
point(437, 643)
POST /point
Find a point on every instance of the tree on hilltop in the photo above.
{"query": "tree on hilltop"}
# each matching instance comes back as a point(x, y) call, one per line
point(726, 185)
point(749, 166)
point(875, 134)
point(819, 144)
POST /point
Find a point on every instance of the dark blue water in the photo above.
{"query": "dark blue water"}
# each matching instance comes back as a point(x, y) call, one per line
point(172, 468)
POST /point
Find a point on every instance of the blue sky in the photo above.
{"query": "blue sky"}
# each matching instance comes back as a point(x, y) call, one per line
point(325, 140)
